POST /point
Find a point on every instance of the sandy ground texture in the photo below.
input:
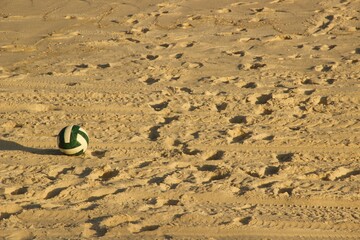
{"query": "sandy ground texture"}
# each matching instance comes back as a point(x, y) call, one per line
point(207, 119)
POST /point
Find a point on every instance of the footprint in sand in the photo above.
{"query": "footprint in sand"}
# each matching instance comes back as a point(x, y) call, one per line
point(63, 36)
point(118, 219)
point(330, 81)
point(99, 153)
point(154, 133)
point(185, 25)
point(261, 10)
point(254, 66)
point(110, 174)
point(238, 135)
point(20, 191)
point(238, 53)
point(282, 1)
point(73, 17)
point(103, 65)
point(242, 3)
point(221, 106)
point(133, 40)
point(166, 45)
point(324, 25)
point(152, 57)
point(241, 138)
point(191, 65)
point(208, 173)
point(223, 10)
point(324, 47)
point(138, 228)
point(250, 85)
point(341, 173)
point(325, 67)
point(238, 119)
point(159, 106)
point(103, 173)
point(177, 56)
point(186, 44)
point(259, 98)
point(54, 192)
point(151, 80)
point(262, 111)
point(213, 156)
point(285, 157)
point(7, 210)
point(262, 171)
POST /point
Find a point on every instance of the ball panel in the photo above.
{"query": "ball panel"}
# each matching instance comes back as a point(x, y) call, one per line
point(71, 145)
point(61, 141)
point(82, 141)
point(84, 135)
point(83, 130)
point(68, 134)
point(73, 151)
point(74, 133)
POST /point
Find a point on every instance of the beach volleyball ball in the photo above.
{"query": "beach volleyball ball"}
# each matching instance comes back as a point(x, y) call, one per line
point(73, 140)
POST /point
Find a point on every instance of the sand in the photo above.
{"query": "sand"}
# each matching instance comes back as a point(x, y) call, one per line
point(207, 119)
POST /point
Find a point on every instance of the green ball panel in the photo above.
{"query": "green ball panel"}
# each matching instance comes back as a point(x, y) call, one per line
point(61, 141)
point(69, 145)
point(85, 136)
point(73, 138)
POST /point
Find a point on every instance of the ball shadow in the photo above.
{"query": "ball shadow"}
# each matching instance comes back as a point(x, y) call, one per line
point(13, 146)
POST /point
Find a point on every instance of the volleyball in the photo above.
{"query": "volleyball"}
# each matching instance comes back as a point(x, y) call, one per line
point(73, 140)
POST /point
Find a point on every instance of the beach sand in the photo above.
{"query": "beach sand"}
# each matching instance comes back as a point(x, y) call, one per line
point(207, 119)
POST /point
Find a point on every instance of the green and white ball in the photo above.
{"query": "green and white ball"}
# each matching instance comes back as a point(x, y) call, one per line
point(73, 140)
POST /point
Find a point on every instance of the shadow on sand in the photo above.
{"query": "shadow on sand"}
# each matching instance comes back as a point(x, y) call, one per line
point(13, 146)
